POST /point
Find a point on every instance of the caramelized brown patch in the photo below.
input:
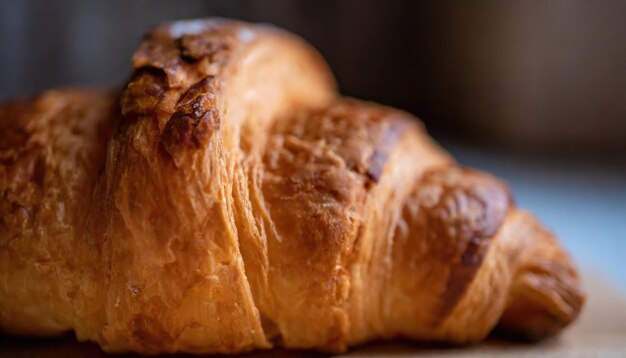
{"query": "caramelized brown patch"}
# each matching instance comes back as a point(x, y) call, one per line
point(199, 98)
point(196, 117)
point(472, 208)
point(162, 68)
point(454, 214)
point(462, 274)
point(169, 51)
point(195, 47)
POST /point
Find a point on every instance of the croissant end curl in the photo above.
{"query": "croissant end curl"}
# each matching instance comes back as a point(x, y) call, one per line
point(229, 199)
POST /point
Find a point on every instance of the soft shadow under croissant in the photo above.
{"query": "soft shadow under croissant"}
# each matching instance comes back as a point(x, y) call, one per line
point(230, 200)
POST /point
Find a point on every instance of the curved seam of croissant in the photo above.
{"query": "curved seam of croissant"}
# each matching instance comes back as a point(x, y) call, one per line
point(493, 243)
point(255, 175)
point(270, 232)
point(255, 312)
point(389, 237)
point(398, 215)
point(231, 173)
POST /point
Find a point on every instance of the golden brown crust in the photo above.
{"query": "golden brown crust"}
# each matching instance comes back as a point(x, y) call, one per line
point(52, 151)
point(242, 204)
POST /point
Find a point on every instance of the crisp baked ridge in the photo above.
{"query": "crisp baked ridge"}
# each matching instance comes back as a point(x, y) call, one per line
point(231, 200)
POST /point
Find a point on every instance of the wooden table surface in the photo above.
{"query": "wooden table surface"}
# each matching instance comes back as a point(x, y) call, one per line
point(599, 332)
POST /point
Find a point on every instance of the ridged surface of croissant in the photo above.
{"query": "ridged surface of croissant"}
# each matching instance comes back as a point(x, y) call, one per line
point(230, 200)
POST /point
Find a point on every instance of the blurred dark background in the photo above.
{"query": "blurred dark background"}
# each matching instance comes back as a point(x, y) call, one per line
point(534, 91)
point(528, 75)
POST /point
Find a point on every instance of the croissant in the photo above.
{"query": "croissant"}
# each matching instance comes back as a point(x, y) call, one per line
point(228, 199)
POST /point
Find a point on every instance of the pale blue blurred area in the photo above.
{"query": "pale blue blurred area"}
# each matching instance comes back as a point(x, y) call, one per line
point(583, 203)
